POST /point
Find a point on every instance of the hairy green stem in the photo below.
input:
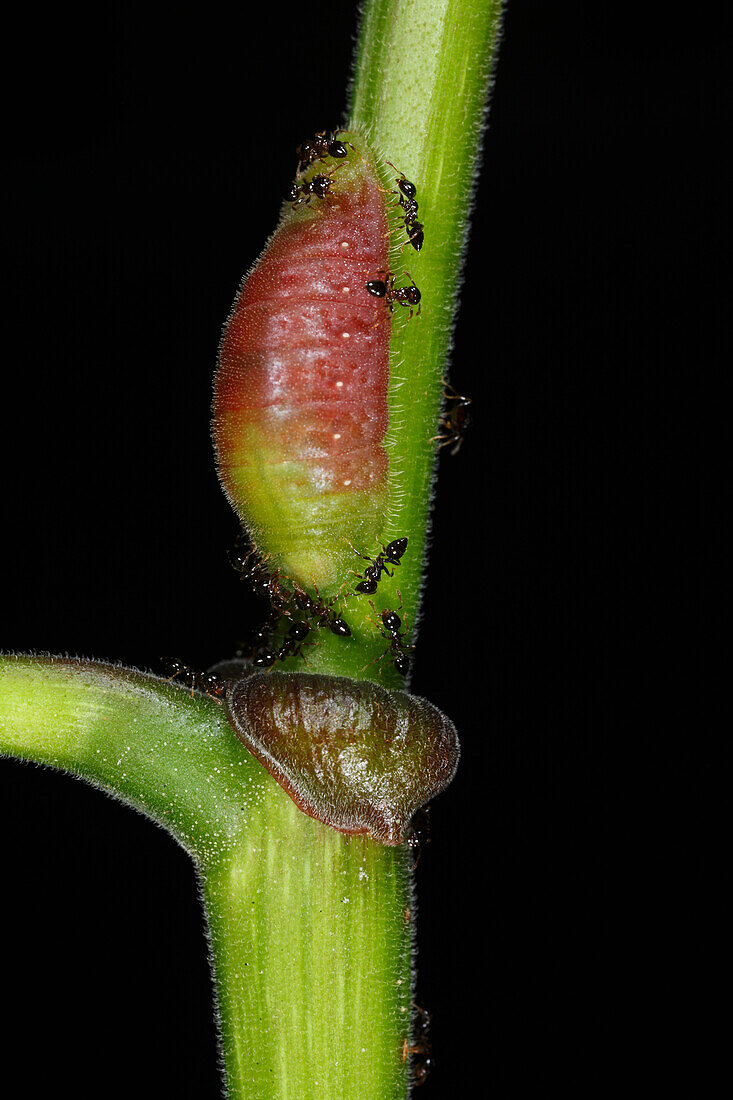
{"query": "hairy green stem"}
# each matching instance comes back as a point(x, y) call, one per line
point(311, 931)
point(420, 92)
point(318, 926)
point(421, 82)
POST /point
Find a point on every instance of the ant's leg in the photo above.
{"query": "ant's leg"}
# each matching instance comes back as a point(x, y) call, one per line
point(308, 644)
point(364, 556)
point(400, 174)
point(344, 586)
point(454, 395)
point(376, 623)
point(379, 658)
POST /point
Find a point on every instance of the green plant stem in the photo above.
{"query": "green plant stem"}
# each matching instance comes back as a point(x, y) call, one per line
point(311, 932)
point(420, 91)
point(421, 83)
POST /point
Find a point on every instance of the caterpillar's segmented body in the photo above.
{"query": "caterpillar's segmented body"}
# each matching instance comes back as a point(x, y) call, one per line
point(300, 408)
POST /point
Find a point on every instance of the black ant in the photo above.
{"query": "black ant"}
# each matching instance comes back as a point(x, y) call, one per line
point(319, 612)
point(213, 685)
point(177, 668)
point(408, 202)
point(290, 647)
point(240, 556)
point(404, 295)
point(408, 189)
point(392, 553)
point(422, 1065)
point(419, 833)
point(320, 186)
point(243, 558)
point(415, 234)
point(456, 420)
point(230, 670)
point(258, 641)
point(392, 624)
point(320, 147)
point(256, 572)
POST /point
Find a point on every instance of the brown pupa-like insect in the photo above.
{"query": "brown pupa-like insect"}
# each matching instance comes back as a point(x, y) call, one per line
point(349, 753)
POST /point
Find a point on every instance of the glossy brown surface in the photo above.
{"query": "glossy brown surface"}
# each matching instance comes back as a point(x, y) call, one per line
point(350, 753)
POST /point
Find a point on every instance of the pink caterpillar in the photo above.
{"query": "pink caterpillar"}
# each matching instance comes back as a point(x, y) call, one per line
point(300, 407)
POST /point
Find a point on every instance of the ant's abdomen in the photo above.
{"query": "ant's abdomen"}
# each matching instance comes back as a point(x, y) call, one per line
point(300, 408)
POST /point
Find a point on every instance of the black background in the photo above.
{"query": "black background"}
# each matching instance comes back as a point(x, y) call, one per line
point(149, 155)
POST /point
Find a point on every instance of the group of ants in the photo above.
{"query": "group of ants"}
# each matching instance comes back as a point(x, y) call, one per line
point(320, 148)
point(313, 611)
point(260, 654)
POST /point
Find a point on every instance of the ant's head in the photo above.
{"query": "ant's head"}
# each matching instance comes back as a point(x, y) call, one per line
point(407, 188)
